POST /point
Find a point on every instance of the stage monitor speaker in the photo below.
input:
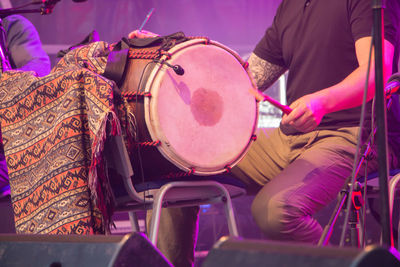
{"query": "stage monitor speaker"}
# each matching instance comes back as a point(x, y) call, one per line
point(75, 250)
point(248, 253)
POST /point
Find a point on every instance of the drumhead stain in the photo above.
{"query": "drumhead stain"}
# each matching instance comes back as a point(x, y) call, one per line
point(206, 106)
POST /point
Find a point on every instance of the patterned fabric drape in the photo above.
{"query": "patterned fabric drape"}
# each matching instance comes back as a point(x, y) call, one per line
point(53, 132)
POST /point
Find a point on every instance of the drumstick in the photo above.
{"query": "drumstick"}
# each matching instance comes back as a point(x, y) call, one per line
point(146, 19)
point(263, 97)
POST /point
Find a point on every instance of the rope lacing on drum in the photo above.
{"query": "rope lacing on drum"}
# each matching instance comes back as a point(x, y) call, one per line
point(228, 169)
point(131, 96)
point(148, 54)
point(166, 54)
point(149, 144)
point(144, 54)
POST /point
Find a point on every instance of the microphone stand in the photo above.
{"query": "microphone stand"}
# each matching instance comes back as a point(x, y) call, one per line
point(380, 107)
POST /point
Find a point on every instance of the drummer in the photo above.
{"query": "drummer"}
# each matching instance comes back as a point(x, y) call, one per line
point(301, 166)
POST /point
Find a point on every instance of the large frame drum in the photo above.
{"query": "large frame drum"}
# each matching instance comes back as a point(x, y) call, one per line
point(201, 122)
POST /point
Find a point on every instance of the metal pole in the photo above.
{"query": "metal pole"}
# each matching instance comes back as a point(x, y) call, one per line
point(381, 134)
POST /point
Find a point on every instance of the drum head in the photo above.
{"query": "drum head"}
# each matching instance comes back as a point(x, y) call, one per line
point(206, 117)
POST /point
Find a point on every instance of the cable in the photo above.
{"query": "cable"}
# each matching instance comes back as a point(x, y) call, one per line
point(356, 156)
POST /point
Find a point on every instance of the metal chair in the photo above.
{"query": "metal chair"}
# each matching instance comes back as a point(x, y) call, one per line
point(188, 191)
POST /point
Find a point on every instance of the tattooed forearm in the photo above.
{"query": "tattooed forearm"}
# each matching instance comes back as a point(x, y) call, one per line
point(264, 73)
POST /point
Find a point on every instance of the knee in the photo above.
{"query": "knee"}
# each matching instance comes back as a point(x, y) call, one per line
point(266, 215)
point(274, 217)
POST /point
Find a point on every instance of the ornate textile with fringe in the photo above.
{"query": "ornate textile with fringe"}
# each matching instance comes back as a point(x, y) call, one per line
point(54, 130)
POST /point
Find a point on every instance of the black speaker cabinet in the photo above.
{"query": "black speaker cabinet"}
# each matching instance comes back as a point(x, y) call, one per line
point(248, 253)
point(73, 250)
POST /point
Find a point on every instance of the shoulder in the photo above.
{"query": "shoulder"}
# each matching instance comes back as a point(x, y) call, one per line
point(18, 27)
point(13, 20)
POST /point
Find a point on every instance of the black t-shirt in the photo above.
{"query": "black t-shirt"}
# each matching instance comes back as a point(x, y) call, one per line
point(316, 43)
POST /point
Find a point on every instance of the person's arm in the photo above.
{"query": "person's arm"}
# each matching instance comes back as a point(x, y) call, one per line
point(309, 109)
point(264, 72)
point(25, 47)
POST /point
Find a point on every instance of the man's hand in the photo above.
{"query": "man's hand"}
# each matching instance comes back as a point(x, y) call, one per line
point(307, 113)
point(141, 34)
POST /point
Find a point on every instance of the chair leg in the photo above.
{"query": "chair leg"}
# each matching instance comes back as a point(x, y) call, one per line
point(232, 226)
point(233, 230)
point(158, 201)
point(392, 190)
point(155, 217)
point(134, 221)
